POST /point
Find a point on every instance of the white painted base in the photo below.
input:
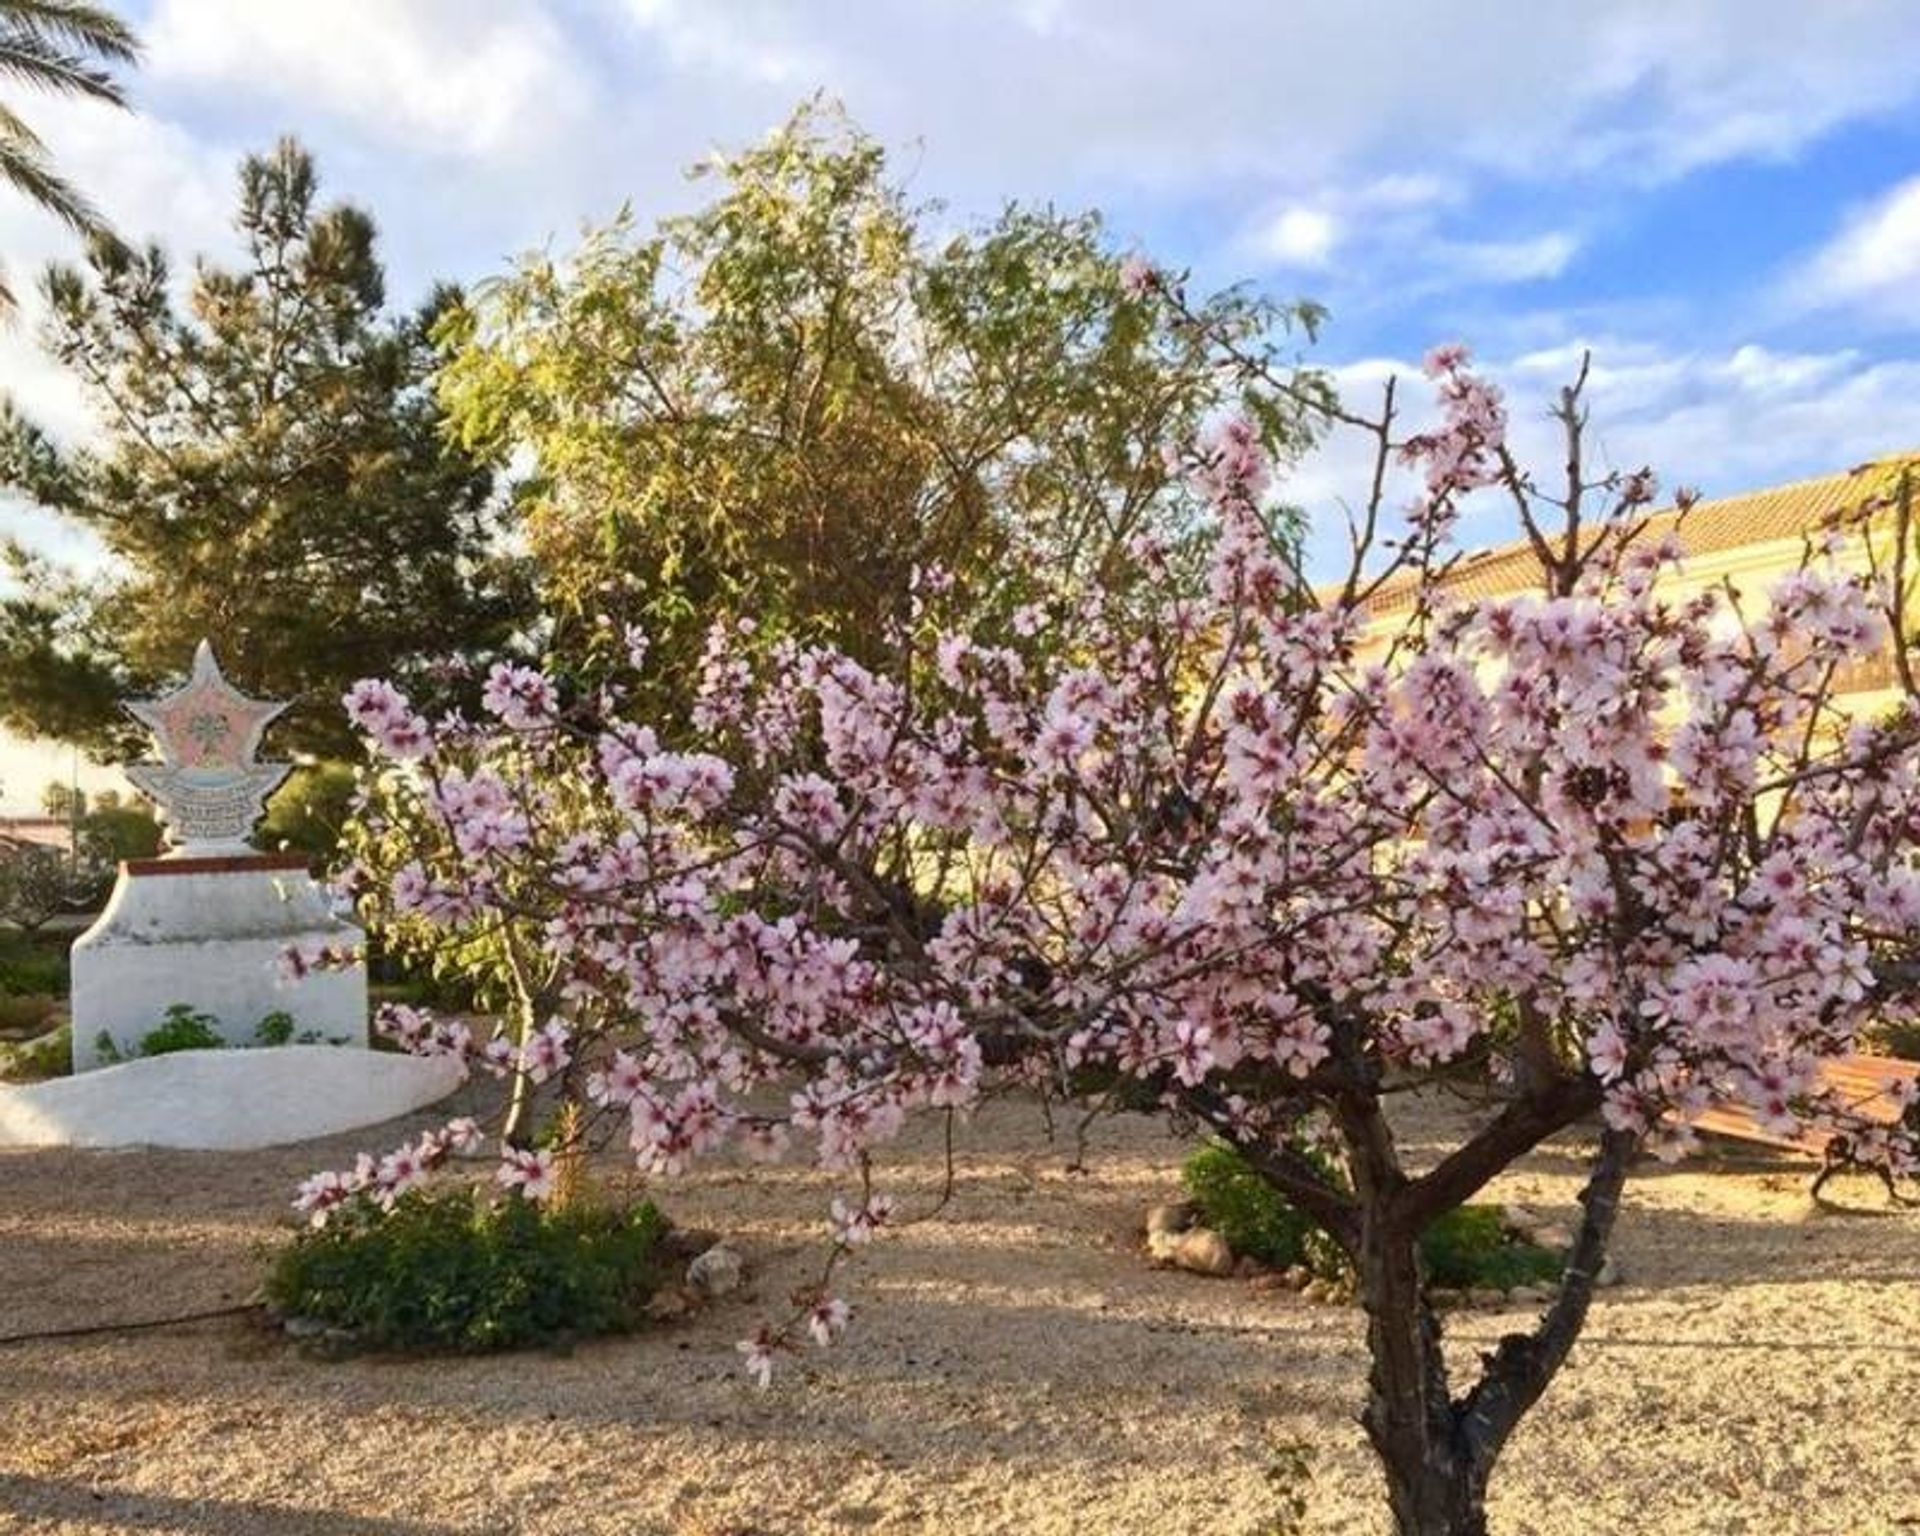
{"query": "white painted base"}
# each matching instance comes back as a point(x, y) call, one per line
point(211, 935)
point(224, 1101)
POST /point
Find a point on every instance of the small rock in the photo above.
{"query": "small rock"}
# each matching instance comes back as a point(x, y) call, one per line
point(1520, 1218)
point(1269, 1280)
point(1297, 1277)
point(1486, 1296)
point(304, 1327)
point(716, 1272)
point(1201, 1250)
point(1552, 1235)
point(1529, 1295)
point(1176, 1216)
point(1609, 1275)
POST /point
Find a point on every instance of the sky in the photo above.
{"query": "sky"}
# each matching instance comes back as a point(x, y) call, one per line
point(1719, 198)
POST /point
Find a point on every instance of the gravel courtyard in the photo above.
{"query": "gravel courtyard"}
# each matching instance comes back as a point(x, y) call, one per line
point(1015, 1366)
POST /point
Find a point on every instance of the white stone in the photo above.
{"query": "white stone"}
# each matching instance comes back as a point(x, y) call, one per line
point(224, 1100)
point(1199, 1249)
point(716, 1272)
point(211, 933)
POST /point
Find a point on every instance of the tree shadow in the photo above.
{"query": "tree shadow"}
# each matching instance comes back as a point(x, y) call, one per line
point(53, 1498)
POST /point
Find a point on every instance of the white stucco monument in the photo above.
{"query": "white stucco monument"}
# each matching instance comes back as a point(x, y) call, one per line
point(207, 924)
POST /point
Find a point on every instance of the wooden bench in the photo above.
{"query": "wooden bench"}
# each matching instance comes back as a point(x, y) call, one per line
point(1864, 1084)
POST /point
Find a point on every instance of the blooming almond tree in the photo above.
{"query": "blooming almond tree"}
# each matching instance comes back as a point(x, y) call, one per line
point(1615, 854)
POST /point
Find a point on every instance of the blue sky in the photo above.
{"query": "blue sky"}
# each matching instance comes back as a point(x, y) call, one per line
point(1721, 199)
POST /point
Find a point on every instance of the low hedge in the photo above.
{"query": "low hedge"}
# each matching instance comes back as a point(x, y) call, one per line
point(462, 1269)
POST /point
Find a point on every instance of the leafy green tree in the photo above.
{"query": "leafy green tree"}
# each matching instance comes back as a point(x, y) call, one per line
point(308, 812)
point(273, 476)
point(110, 832)
point(67, 48)
point(784, 403)
point(37, 884)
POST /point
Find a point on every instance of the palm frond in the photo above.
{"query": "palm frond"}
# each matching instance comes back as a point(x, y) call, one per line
point(75, 25)
point(25, 167)
point(36, 61)
point(14, 126)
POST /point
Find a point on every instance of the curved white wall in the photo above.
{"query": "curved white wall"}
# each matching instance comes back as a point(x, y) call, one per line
point(224, 1100)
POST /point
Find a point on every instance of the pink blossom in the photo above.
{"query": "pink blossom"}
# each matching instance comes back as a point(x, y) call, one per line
point(522, 698)
point(1137, 277)
point(757, 1358)
point(828, 1320)
point(530, 1172)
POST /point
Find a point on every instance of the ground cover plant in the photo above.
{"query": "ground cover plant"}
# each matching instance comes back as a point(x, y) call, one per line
point(183, 1027)
point(1619, 852)
point(452, 1269)
point(31, 969)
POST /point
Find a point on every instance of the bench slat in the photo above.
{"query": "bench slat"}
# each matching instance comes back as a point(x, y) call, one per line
point(1862, 1082)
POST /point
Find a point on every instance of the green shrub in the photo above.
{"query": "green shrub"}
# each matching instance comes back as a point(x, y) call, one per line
point(22, 1017)
point(1244, 1209)
point(28, 969)
point(451, 1269)
point(1467, 1247)
point(275, 1029)
point(1899, 1038)
point(1471, 1246)
point(182, 1029)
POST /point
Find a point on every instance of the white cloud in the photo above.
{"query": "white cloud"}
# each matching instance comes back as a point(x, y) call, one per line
point(1873, 263)
point(1299, 237)
point(1216, 90)
point(1506, 261)
point(464, 77)
point(756, 41)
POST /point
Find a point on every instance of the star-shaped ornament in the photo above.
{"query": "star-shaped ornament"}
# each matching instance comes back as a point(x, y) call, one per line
point(208, 787)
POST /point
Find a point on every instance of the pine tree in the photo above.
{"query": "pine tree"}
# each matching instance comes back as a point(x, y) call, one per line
point(272, 476)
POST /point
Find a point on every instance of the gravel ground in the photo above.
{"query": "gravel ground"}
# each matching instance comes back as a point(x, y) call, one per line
point(1014, 1367)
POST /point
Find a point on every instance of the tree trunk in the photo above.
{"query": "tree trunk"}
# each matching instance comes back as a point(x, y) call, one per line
point(524, 1019)
point(1438, 1453)
point(1434, 1483)
point(514, 1132)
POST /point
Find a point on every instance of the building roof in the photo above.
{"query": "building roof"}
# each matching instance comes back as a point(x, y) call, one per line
point(1707, 527)
point(46, 831)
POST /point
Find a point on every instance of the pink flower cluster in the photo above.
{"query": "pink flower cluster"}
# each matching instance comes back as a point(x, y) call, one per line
point(383, 1180)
